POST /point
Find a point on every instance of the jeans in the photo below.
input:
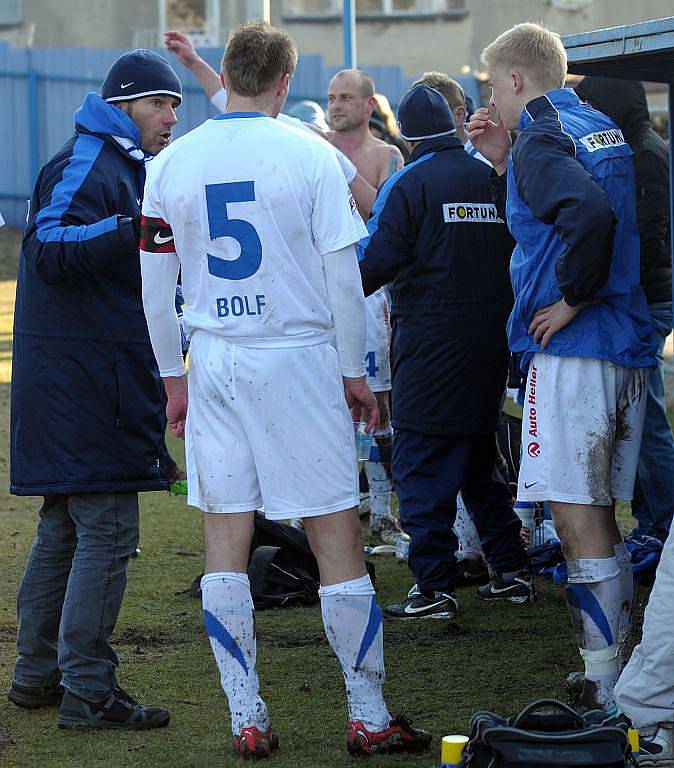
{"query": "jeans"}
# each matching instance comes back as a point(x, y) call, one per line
point(428, 472)
point(653, 503)
point(72, 591)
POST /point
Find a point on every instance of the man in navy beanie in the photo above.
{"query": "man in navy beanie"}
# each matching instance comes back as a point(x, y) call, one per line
point(435, 237)
point(88, 418)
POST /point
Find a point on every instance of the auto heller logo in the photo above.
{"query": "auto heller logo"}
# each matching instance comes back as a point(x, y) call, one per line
point(471, 213)
point(534, 450)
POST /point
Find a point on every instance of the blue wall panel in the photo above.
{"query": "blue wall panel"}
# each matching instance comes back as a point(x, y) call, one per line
point(40, 88)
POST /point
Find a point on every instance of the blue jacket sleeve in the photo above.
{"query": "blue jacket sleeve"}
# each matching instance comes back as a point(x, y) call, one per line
point(392, 232)
point(74, 230)
point(559, 191)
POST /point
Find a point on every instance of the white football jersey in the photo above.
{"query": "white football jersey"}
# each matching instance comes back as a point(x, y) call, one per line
point(249, 205)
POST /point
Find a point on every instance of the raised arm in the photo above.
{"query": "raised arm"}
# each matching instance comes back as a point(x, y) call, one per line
point(184, 49)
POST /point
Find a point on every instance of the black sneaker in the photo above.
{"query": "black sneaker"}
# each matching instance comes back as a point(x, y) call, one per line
point(424, 605)
point(35, 696)
point(118, 711)
point(520, 590)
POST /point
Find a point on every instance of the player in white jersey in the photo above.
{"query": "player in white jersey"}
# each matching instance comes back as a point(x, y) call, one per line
point(377, 161)
point(260, 220)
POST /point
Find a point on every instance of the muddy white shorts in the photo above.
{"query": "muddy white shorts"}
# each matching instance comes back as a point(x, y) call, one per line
point(581, 430)
point(268, 428)
point(378, 342)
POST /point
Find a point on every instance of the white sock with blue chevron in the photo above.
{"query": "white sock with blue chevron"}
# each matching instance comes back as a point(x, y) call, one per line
point(594, 596)
point(352, 621)
point(229, 617)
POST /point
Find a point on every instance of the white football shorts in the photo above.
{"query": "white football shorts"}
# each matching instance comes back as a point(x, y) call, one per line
point(378, 342)
point(268, 427)
point(581, 430)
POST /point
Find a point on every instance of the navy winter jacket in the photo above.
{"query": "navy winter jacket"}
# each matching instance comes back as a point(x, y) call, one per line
point(87, 400)
point(571, 206)
point(436, 237)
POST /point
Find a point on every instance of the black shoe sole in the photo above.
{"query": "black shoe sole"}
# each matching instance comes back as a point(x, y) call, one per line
point(37, 701)
point(76, 723)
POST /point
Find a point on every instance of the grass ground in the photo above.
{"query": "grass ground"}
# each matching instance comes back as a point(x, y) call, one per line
point(499, 657)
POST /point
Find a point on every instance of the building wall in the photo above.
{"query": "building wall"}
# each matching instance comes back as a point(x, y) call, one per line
point(94, 23)
point(416, 46)
point(491, 17)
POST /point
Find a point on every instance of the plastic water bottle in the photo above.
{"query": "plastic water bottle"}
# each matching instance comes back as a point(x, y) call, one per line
point(363, 440)
point(526, 511)
point(402, 546)
point(452, 751)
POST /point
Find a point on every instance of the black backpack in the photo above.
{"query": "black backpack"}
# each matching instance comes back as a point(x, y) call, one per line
point(558, 738)
point(282, 569)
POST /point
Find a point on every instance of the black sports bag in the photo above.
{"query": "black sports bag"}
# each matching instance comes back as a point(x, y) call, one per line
point(557, 737)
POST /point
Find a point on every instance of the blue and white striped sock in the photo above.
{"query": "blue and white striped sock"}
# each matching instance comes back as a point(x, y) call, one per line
point(229, 618)
point(352, 621)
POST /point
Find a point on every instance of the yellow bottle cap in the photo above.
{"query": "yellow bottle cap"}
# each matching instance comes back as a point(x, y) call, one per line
point(633, 736)
point(452, 749)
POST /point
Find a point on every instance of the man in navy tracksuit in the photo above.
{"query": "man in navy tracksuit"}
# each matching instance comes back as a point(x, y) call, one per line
point(436, 237)
point(88, 415)
point(580, 323)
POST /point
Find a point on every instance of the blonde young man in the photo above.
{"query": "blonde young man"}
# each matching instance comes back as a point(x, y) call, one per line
point(259, 218)
point(580, 323)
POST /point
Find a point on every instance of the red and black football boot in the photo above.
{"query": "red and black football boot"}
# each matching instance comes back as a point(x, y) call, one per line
point(253, 744)
point(400, 736)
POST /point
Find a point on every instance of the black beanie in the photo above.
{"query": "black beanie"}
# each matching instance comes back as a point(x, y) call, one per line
point(423, 113)
point(140, 73)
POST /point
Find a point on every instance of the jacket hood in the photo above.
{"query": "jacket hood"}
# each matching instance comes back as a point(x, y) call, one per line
point(624, 101)
point(97, 116)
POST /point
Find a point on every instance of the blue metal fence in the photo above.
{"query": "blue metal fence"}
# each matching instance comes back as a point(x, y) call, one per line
point(40, 88)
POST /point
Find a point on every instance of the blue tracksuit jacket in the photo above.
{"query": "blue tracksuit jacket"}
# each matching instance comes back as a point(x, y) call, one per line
point(436, 238)
point(87, 400)
point(571, 206)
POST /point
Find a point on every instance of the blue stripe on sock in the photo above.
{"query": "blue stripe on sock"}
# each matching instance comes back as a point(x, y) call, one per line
point(215, 630)
point(373, 623)
point(582, 597)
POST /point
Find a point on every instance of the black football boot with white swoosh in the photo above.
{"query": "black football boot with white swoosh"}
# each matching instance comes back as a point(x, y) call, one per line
point(519, 589)
point(424, 605)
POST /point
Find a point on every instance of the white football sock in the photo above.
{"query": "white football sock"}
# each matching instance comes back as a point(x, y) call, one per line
point(352, 621)
point(627, 584)
point(466, 532)
point(594, 597)
point(229, 617)
point(378, 471)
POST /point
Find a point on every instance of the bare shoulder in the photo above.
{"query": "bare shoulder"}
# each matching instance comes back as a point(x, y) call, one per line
point(390, 160)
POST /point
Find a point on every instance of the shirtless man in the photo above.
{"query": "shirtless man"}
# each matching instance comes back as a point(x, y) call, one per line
point(350, 104)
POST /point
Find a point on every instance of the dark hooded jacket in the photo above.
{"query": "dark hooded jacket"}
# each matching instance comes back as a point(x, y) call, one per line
point(624, 101)
point(87, 401)
point(436, 238)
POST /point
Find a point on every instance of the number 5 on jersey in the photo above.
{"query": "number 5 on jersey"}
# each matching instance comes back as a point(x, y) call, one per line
point(220, 225)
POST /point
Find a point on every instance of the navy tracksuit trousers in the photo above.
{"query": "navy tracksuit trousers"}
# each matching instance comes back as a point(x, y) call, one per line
point(428, 472)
